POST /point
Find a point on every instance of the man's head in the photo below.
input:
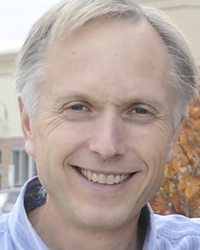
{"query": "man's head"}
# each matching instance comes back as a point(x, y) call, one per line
point(101, 83)
point(67, 16)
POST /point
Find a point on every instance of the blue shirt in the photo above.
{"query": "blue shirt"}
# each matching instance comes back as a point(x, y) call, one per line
point(169, 232)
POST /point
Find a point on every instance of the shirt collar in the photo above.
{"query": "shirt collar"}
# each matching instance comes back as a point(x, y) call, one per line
point(25, 236)
point(147, 222)
point(22, 232)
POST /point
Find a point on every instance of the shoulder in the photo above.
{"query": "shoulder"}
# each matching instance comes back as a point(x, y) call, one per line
point(3, 228)
point(178, 230)
point(180, 224)
point(3, 223)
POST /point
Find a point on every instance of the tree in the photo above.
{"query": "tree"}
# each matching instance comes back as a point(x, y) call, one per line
point(180, 192)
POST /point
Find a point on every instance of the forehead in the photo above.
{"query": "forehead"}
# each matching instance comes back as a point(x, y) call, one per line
point(112, 51)
point(118, 36)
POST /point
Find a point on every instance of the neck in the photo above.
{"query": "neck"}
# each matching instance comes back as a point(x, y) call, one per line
point(48, 223)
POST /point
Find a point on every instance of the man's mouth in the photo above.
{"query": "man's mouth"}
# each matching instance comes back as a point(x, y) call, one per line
point(102, 178)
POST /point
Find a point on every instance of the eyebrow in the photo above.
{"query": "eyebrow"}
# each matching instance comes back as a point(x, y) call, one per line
point(74, 95)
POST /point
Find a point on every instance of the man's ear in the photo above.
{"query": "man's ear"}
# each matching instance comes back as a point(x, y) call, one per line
point(174, 141)
point(26, 128)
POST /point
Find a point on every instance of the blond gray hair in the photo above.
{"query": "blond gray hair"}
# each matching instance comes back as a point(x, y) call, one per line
point(69, 15)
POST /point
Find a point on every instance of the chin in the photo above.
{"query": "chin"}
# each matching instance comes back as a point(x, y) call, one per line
point(103, 220)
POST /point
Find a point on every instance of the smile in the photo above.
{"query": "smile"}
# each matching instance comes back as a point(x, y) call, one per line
point(106, 179)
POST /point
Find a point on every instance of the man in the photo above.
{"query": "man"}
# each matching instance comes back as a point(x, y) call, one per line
point(103, 88)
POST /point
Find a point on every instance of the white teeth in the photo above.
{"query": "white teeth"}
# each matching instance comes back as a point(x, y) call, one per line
point(89, 175)
point(122, 178)
point(94, 177)
point(110, 180)
point(117, 179)
point(125, 177)
point(86, 173)
point(104, 179)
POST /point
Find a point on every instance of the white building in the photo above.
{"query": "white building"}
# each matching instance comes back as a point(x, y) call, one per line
point(16, 166)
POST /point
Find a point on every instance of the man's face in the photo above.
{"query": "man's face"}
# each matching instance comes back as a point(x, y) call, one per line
point(105, 113)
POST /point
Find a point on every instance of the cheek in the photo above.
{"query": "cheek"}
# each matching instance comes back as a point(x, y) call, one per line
point(52, 149)
point(153, 153)
point(152, 145)
point(156, 139)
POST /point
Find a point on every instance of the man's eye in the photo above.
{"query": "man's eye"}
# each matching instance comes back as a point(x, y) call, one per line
point(142, 111)
point(77, 111)
point(141, 114)
point(78, 107)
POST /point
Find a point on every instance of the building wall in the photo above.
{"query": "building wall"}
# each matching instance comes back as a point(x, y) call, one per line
point(9, 113)
point(11, 139)
point(186, 15)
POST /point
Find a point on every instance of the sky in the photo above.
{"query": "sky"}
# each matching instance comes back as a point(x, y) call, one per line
point(16, 19)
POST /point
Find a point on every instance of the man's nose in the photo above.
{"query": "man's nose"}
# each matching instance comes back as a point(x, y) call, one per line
point(107, 140)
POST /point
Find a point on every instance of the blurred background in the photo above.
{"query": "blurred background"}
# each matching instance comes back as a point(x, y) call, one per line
point(180, 192)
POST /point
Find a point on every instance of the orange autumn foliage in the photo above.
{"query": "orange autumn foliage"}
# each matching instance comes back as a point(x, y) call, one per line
point(180, 192)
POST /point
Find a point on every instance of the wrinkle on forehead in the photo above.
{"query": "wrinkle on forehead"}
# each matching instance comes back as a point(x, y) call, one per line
point(119, 38)
point(114, 59)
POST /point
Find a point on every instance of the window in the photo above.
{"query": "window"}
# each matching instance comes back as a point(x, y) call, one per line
point(22, 169)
